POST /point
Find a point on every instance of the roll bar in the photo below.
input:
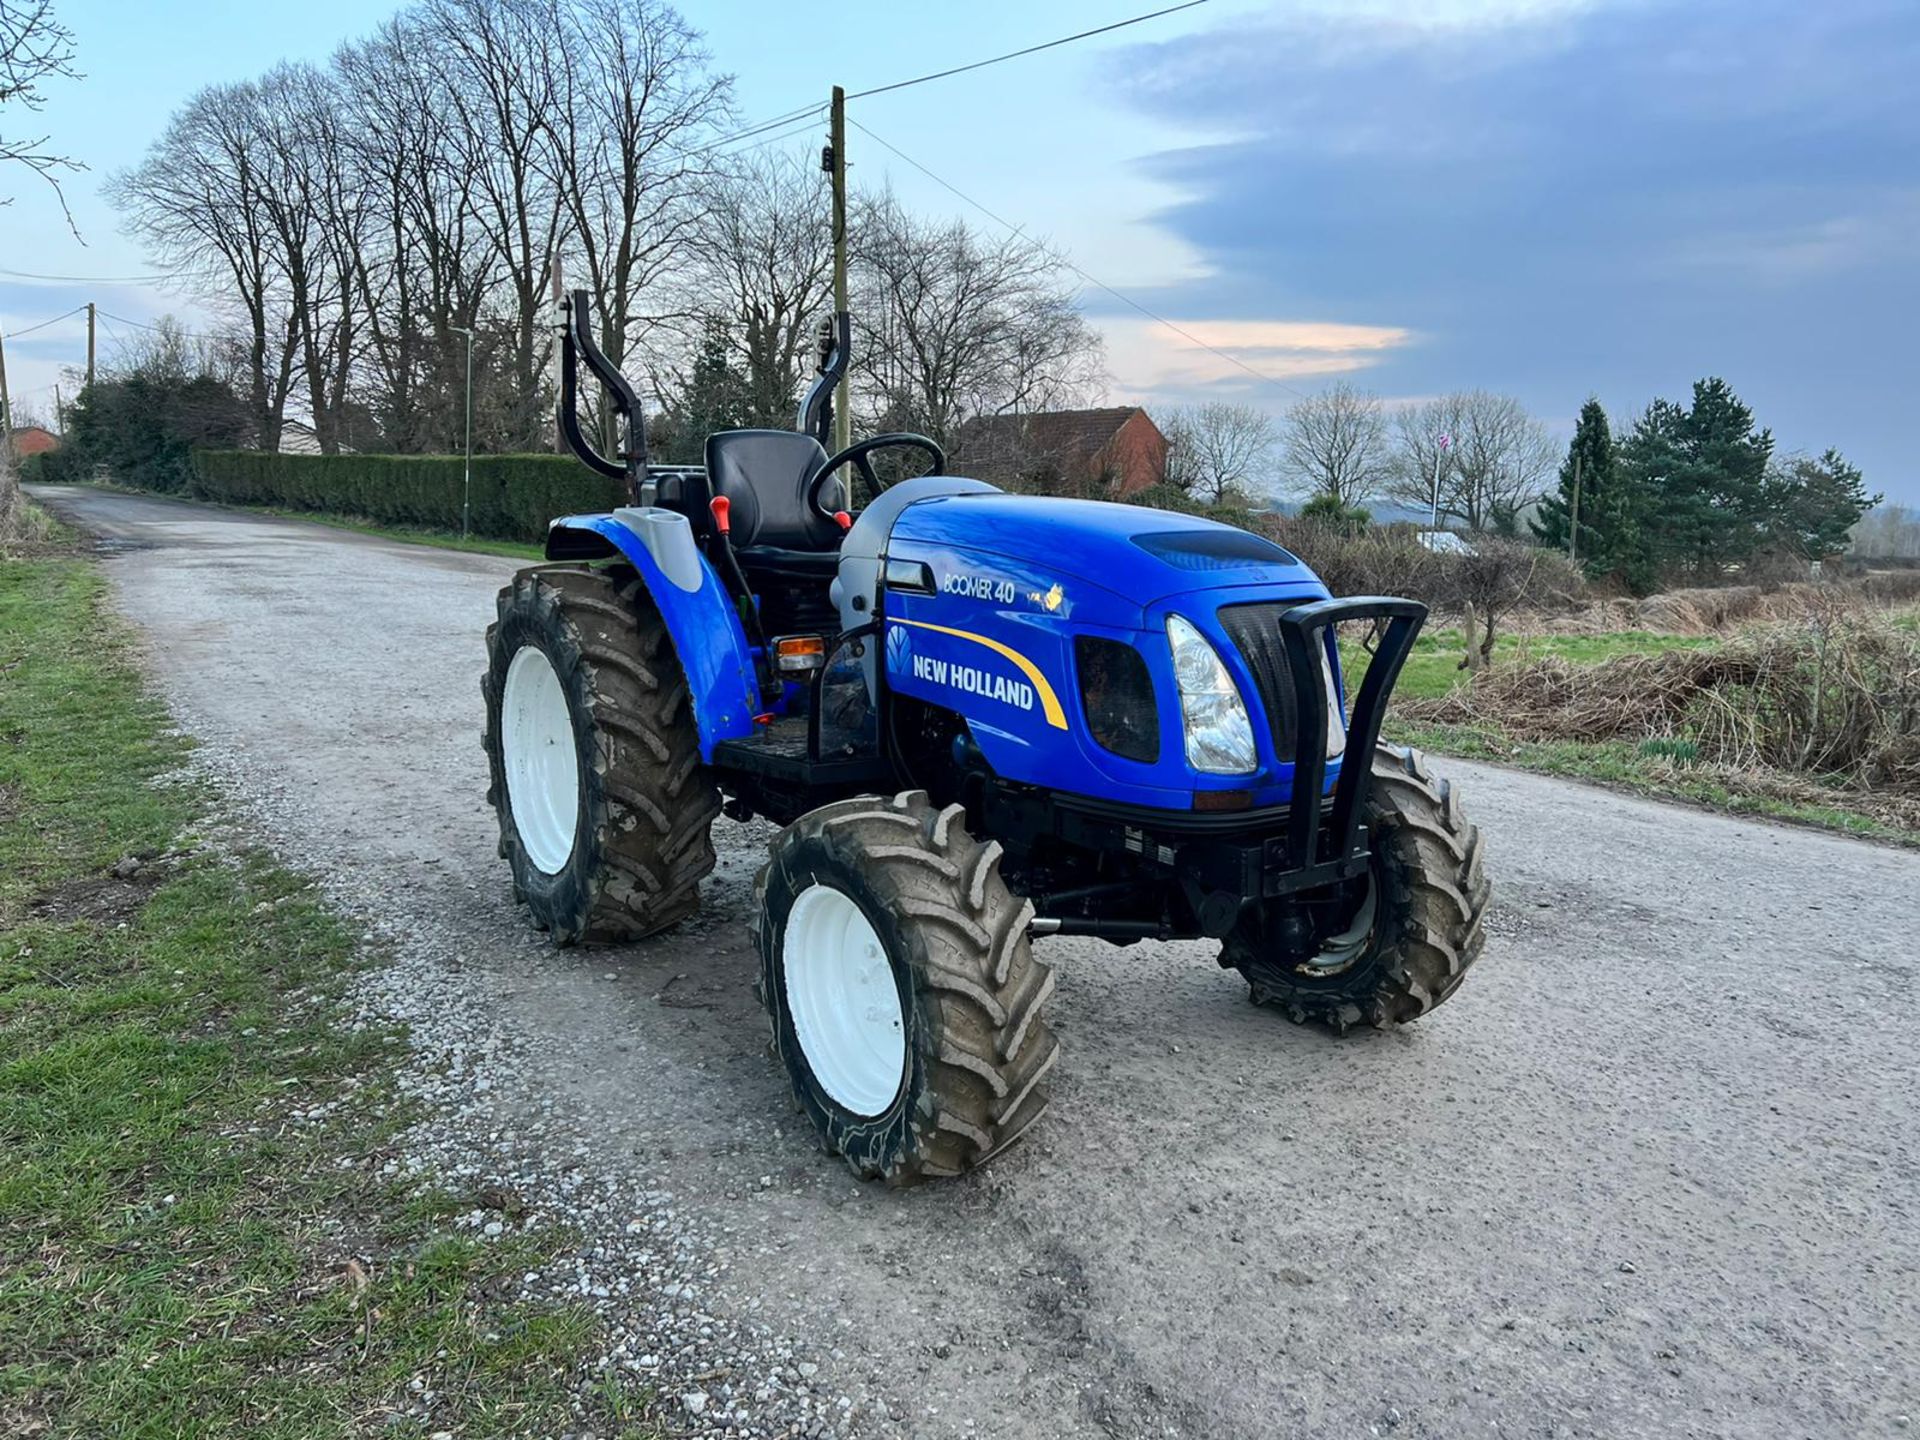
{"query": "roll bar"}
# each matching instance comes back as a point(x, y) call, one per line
point(576, 341)
point(816, 408)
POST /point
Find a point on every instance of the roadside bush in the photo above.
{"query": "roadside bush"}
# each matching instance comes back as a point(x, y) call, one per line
point(13, 505)
point(1167, 497)
point(1330, 510)
point(1835, 697)
point(514, 496)
point(1891, 587)
point(1705, 611)
point(1382, 560)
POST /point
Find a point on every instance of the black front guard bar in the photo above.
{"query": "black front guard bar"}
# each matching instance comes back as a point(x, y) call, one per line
point(1226, 860)
point(1303, 633)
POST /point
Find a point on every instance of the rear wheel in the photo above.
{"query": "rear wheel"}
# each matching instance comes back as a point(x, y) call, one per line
point(905, 1001)
point(604, 807)
point(1399, 940)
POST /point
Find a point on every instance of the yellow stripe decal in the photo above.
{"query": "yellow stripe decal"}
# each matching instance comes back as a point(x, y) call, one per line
point(1049, 702)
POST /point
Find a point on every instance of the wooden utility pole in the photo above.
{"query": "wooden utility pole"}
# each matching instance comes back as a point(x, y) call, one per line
point(89, 345)
point(557, 295)
point(842, 411)
point(1573, 530)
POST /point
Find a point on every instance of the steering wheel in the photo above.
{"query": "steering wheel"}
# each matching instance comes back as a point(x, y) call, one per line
point(856, 455)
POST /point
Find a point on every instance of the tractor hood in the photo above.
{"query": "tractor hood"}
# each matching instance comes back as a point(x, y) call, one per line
point(1136, 552)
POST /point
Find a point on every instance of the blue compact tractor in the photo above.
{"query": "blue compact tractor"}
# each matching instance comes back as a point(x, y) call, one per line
point(980, 717)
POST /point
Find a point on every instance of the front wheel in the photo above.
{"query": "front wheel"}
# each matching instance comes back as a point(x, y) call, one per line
point(905, 1001)
point(1395, 942)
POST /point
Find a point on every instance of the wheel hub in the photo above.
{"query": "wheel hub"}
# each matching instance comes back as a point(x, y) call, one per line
point(542, 764)
point(844, 1001)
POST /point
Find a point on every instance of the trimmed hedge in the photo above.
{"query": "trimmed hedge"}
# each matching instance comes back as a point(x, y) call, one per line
point(514, 496)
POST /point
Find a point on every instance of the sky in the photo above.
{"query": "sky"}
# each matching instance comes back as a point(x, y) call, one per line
point(1552, 198)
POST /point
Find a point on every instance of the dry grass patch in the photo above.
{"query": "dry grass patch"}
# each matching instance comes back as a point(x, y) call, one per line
point(1821, 711)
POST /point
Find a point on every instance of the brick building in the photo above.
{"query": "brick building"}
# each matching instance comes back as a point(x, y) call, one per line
point(1101, 454)
point(33, 440)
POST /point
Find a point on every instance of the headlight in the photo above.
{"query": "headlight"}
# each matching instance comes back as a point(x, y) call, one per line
point(1214, 717)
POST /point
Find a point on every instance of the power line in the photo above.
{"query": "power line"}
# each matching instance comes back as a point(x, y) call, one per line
point(1093, 280)
point(157, 329)
point(15, 335)
point(801, 129)
point(805, 113)
point(89, 279)
point(1016, 54)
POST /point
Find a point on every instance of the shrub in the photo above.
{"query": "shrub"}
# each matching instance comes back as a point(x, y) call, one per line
point(1383, 560)
point(1329, 510)
point(1835, 696)
point(1166, 497)
point(514, 496)
point(1495, 578)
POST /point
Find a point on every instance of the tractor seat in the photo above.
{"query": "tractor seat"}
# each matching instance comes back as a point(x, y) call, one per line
point(764, 475)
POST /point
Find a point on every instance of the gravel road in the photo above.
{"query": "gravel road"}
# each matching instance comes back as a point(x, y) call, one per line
point(1652, 1173)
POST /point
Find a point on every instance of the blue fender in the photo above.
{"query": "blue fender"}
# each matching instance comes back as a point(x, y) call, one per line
point(707, 634)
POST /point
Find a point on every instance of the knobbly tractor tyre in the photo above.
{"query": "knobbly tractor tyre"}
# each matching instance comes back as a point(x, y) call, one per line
point(604, 807)
point(1400, 939)
point(905, 1002)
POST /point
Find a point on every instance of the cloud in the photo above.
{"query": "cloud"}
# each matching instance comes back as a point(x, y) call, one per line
point(1566, 199)
point(1149, 358)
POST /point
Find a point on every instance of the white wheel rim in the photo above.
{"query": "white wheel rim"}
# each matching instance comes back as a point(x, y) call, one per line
point(844, 1002)
point(543, 768)
point(1337, 952)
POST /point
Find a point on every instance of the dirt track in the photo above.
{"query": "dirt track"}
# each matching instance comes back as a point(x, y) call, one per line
point(1653, 1172)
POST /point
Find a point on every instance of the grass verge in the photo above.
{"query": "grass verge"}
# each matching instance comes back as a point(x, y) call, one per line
point(194, 1235)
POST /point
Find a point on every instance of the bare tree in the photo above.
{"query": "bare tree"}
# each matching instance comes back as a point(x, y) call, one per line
point(313, 232)
point(34, 47)
point(956, 324)
point(1485, 583)
point(200, 200)
point(1335, 444)
point(1219, 452)
point(414, 274)
point(764, 252)
point(1496, 460)
point(1889, 531)
point(629, 93)
point(499, 72)
point(354, 223)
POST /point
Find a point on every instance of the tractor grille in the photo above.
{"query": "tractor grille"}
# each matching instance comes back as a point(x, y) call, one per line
point(1255, 632)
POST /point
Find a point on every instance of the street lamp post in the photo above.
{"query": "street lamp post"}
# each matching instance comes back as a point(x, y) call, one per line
point(466, 497)
point(1441, 442)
